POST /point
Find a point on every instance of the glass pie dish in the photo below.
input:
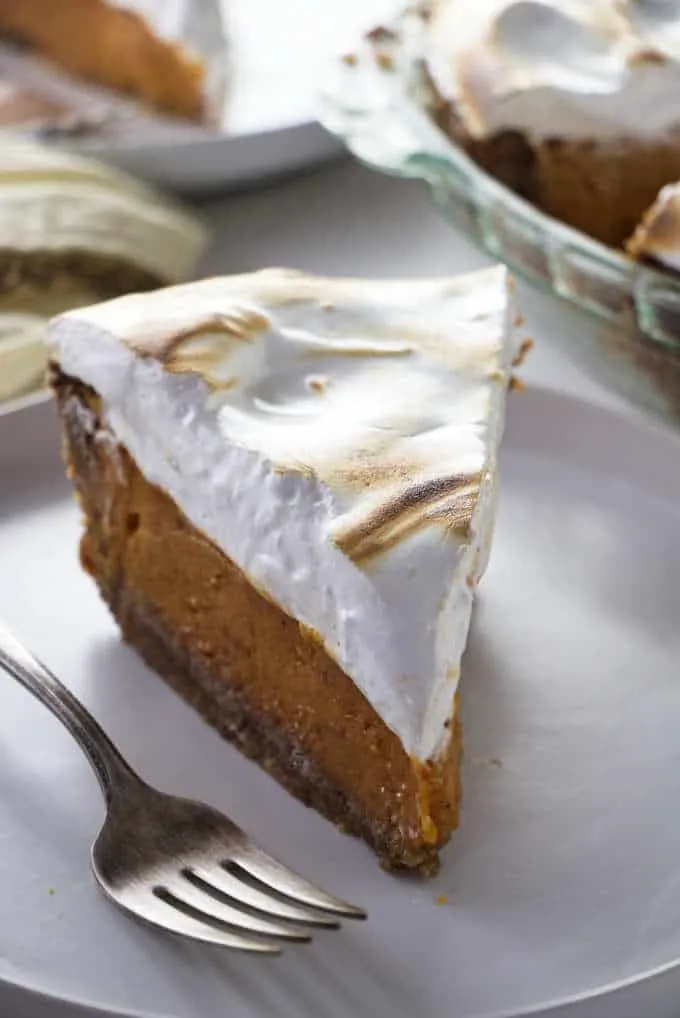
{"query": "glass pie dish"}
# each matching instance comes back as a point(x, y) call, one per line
point(623, 317)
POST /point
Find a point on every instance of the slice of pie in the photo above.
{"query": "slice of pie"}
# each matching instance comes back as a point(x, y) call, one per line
point(288, 486)
point(138, 47)
point(73, 232)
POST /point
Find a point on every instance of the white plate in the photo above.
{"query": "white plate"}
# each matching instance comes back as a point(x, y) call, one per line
point(279, 53)
point(564, 878)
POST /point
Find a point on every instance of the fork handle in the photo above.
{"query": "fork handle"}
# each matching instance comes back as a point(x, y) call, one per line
point(109, 766)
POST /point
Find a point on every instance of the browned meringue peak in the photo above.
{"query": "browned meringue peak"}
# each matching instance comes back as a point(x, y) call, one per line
point(657, 238)
point(449, 502)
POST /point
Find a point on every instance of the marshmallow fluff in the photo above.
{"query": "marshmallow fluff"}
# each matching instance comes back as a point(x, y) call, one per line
point(567, 68)
point(337, 439)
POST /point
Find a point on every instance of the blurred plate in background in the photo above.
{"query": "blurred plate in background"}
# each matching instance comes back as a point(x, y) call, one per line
point(279, 53)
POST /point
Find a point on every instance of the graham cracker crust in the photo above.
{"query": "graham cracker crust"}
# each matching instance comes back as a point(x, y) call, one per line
point(599, 187)
point(262, 680)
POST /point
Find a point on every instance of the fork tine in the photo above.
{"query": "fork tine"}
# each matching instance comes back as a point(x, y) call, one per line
point(257, 864)
point(165, 915)
point(204, 903)
point(221, 881)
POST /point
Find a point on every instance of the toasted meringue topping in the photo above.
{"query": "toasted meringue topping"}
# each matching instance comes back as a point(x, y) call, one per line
point(337, 439)
point(559, 68)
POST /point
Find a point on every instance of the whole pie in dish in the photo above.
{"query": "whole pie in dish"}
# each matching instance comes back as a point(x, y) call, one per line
point(289, 488)
point(574, 105)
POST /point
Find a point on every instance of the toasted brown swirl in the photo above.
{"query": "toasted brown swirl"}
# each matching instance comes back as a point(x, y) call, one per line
point(449, 501)
point(171, 342)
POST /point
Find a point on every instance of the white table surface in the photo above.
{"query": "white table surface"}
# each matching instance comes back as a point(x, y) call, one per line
point(343, 219)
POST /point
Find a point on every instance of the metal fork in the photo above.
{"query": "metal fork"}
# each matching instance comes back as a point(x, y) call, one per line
point(178, 864)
